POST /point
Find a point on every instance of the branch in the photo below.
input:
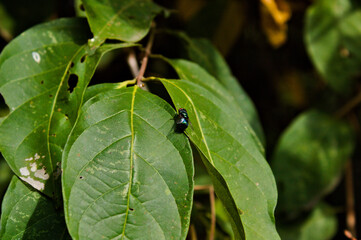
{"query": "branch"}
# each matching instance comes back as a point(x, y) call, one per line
point(213, 213)
point(349, 106)
point(210, 188)
point(350, 200)
point(145, 58)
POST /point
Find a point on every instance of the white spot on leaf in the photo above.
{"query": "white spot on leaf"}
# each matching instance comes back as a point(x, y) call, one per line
point(29, 159)
point(36, 57)
point(33, 166)
point(36, 156)
point(41, 174)
point(24, 171)
point(36, 184)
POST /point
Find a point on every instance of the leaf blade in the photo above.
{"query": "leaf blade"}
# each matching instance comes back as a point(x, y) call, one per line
point(306, 160)
point(27, 214)
point(125, 20)
point(35, 72)
point(171, 169)
point(330, 42)
point(231, 151)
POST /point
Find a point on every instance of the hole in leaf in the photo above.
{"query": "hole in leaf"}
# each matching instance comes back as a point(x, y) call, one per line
point(72, 82)
point(42, 82)
point(81, 7)
point(131, 209)
point(82, 59)
point(66, 117)
point(51, 95)
point(81, 177)
point(4, 109)
point(71, 64)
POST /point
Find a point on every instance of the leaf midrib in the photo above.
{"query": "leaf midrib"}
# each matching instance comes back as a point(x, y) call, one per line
point(52, 111)
point(197, 117)
point(131, 160)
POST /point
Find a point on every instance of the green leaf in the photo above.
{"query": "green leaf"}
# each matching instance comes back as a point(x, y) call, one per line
point(97, 89)
point(203, 52)
point(332, 35)
point(43, 76)
point(79, 8)
point(125, 20)
point(127, 174)
point(5, 177)
point(26, 214)
point(321, 224)
point(193, 72)
point(233, 158)
point(309, 159)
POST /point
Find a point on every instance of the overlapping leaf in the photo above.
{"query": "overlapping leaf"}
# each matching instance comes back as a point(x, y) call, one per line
point(43, 75)
point(26, 214)
point(127, 174)
point(332, 36)
point(193, 72)
point(202, 51)
point(321, 224)
point(309, 159)
point(126, 20)
point(239, 170)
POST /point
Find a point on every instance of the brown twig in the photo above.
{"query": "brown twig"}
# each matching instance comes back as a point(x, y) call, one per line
point(350, 200)
point(212, 201)
point(145, 58)
point(193, 233)
point(213, 213)
point(349, 106)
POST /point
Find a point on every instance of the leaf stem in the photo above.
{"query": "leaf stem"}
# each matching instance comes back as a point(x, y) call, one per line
point(210, 188)
point(145, 58)
point(345, 109)
point(350, 200)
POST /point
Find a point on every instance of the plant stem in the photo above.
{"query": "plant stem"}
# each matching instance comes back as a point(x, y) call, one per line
point(132, 62)
point(193, 233)
point(349, 106)
point(210, 188)
point(350, 200)
point(145, 58)
point(213, 213)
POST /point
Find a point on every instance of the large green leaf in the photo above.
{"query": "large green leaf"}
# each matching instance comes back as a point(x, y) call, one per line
point(203, 52)
point(126, 20)
point(43, 76)
point(127, 174)
point(26, 214)
point(309, 159)
point(321, 224)
point(193, 72)
point(233, 158)
point(332, 36)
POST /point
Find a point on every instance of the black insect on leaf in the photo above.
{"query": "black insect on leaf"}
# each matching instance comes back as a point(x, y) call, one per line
point(181, 120)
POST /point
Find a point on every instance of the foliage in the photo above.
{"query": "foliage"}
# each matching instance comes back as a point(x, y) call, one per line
point(95, 159)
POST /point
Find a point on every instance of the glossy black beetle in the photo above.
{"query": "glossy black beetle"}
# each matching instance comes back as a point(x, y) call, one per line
point(181, 120)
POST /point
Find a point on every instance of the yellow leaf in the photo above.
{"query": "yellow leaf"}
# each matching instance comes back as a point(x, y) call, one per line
point(274, 17)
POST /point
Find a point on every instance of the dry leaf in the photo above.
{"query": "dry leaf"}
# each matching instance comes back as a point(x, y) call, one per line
point(229, 27)
point(274, 17)
point(188, 8)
